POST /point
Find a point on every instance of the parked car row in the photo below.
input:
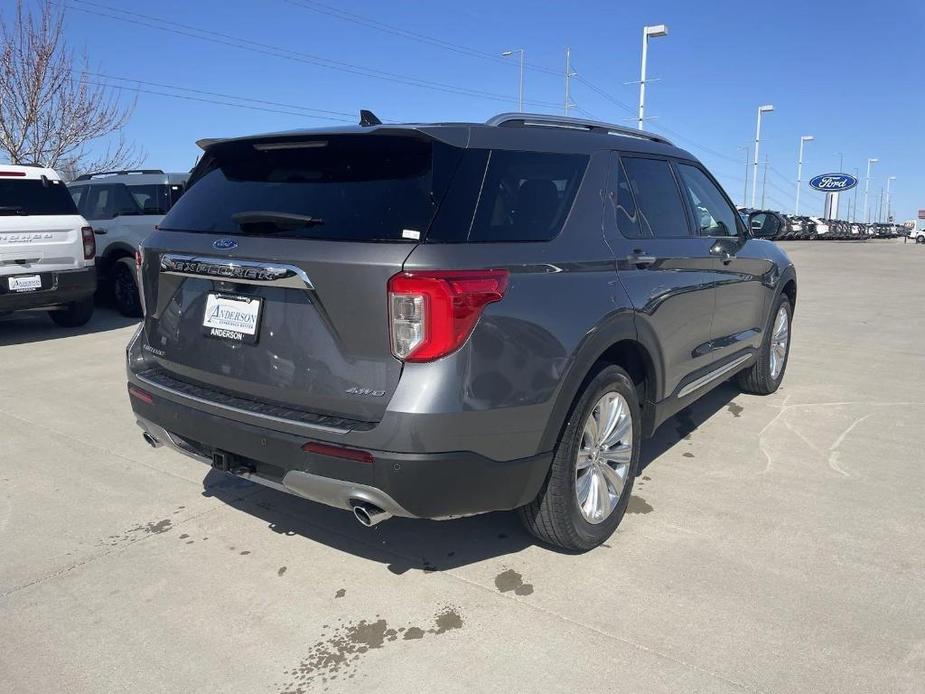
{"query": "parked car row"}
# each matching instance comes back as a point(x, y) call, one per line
point(771, 224)
point(62, 244)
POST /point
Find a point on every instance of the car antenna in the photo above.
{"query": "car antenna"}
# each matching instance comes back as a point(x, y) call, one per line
point(368, 118)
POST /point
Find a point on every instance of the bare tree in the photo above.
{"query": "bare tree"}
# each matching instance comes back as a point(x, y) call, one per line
point(50, 108)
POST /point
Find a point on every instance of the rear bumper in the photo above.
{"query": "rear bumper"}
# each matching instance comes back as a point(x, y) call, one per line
point(426, 485)
point(63, 288)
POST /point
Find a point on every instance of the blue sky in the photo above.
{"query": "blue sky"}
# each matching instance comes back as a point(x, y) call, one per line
point(849, 73)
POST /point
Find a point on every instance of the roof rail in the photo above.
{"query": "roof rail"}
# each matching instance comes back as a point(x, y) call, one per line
point(594, 126)
point(87, 177)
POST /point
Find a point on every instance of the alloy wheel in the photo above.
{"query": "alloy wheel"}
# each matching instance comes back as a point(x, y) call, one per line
point(604, 457)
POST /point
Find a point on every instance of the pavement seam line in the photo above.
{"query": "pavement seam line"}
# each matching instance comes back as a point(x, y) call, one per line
point(105, 553)
point(95, 446)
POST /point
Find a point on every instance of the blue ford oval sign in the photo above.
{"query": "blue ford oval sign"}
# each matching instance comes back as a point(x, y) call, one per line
point(833, 182)
point(225, 244)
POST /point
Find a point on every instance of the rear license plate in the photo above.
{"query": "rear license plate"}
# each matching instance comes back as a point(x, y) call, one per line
point(233, 318)
point(25, 283)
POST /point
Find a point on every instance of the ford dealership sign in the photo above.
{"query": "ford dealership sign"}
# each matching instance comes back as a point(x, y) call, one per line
point(833, 182)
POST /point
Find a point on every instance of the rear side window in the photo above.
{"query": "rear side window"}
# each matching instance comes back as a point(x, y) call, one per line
point(713, 214)
point(35, 197)
point(347, 187)
point(526, 196)
point(661, 211)
point(620, 198)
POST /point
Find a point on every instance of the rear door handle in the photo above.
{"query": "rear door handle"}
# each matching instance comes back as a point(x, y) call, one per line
point(640, 259)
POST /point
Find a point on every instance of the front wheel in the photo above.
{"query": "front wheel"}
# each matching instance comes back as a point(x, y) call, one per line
point(765, 375)
point(591, 478)
point(920, 239)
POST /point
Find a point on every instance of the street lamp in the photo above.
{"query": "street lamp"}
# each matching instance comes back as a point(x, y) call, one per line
point(867, 189)
point(507, 54)
point(889, 199)
point(647, 33)
point(803, 140)
point(767, 108)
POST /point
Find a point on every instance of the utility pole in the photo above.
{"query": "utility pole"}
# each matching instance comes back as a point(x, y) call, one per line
point(568, 80)
point(745, 192)
point(854, 207)
point(889, 198)
point(867, 190)
point(764, 182)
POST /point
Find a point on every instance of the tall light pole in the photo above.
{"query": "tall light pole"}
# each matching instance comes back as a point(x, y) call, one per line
point(841, 160)
point(889, 198)
point(854, 207)
point(767, 108)
point(507, 54)
point(803, 140)
point(867, 189)
point(745, 192)
point(647, 33)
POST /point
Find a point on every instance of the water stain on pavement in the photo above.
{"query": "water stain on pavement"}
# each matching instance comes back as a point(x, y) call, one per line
point(735, 409)
point(341, 592)
point(638, 505)
point(139, 531)
point(510, 580)
point(281, 571)
point(688, 455)
point(336, 656)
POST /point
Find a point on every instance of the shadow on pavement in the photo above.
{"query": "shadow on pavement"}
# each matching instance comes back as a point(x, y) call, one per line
point(401, 544)
point(35, 326)
point(684, 423)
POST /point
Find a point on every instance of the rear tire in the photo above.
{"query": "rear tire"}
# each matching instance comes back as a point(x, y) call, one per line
point(920, 239)
point(760, 378)
point(76, 314)
point(125, 288)
point(557, 516)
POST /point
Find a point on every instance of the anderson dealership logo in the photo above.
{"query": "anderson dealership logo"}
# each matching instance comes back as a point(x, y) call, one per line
point(833, 182)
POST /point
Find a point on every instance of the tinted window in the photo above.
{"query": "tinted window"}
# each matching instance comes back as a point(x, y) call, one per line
point(661, 212)
point(109, 200)
point(526, 195)
point(33, 197)
point(151, 199)
point(623, 205)
point(713, 215)
point(358, 188)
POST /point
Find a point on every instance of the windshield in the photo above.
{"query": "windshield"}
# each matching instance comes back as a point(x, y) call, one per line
point(35, 197)
point(357, 188)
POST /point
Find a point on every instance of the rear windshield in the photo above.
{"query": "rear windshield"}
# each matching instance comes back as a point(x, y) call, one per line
point(378, 188)
point(355, 188)
point(35, 197)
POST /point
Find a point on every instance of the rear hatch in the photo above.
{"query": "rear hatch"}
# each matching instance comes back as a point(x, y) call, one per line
point(40, 229)
point(266, 282)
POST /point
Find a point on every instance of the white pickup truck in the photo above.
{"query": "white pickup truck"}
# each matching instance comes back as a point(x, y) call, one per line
point(46, 248)
point(917, 235)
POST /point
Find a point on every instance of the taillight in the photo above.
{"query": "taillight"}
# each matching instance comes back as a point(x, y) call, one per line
point(12, 173)
point(142, 395)
point(89, 242)
point(432, 313)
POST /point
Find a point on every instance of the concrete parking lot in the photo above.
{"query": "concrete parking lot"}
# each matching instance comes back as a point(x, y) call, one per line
point(772, 545)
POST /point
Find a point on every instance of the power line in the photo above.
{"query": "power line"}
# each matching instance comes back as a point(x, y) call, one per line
point(369, 22)
point(350, 116)
point(267, 49)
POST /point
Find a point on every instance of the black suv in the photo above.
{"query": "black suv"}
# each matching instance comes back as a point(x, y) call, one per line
point(439, 320)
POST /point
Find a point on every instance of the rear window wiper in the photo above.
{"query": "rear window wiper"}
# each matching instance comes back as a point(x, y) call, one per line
point(12, 210)
point(282, 221)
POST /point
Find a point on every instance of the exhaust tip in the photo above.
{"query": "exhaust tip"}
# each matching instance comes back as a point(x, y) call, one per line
point(368, 514)
point(150, 440)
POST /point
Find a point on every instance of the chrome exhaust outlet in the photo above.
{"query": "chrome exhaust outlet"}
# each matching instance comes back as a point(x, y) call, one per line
point(368, 514)
point(151, 441)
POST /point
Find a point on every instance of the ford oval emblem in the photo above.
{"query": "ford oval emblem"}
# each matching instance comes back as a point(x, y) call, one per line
point(833, 182)
point(225, 244)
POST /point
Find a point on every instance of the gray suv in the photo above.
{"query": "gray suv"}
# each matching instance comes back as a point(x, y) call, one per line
point(439, 320)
